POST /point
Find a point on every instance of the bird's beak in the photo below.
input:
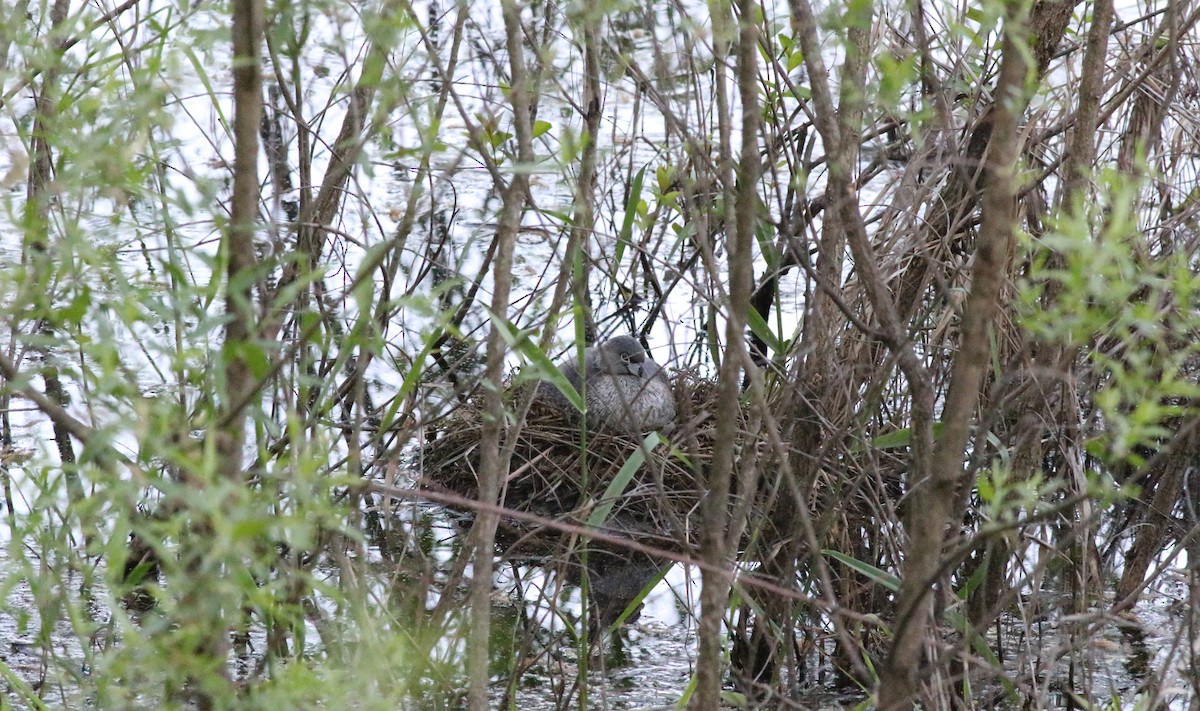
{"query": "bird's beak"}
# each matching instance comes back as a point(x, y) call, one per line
point(636, 369)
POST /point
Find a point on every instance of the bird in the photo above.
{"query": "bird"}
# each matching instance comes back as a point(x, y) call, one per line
point(623, 388)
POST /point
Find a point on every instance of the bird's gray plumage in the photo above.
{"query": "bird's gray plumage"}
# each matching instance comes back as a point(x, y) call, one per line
point(625, 389)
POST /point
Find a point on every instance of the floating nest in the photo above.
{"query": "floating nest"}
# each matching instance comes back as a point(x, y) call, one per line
point(559, 471)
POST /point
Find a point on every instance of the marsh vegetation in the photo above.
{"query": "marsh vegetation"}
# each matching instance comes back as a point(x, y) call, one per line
point(278, 280)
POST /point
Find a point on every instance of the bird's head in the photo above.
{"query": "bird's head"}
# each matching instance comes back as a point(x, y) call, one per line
point(623, 354)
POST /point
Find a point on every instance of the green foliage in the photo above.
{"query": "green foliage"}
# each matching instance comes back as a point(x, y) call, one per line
point(145, 575)
point(880, 577)
point(121, 293)
point(1092, 288)
point(621, 481)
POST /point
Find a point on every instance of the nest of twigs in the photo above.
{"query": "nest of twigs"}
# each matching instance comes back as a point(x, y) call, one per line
point(563, 472)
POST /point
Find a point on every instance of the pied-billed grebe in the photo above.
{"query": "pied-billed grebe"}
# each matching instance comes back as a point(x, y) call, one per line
point(625, 389)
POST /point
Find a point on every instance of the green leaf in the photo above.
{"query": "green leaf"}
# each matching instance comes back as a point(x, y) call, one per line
point(637, 601)
point(411, 379)
point(562, 217)
point(901, 438)
point(624, 237)
point(540, 128)
point(20, 688)
point(620, 482)
point(764, 235)
point(795, 59)
point(987, 492)
point(760, 328)
point(253, 355)
point(663, 175)
point(884, 578)
point(498, 138)
point(202, 74)
point(72, 314)
point(893, 440)
point(138, 574)
point(542, 367)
